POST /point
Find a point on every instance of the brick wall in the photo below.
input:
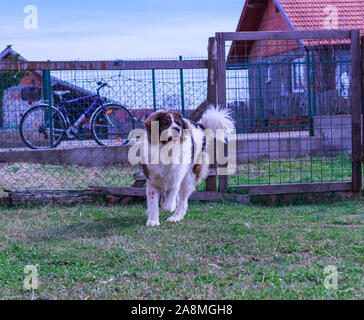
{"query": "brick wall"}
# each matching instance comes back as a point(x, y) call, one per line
point(32, 79)
point(298, 121)
point(272, 21)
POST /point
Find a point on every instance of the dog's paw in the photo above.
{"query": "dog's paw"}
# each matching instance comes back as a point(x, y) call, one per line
point(174, 218)
point(169, 206)
point(152, 223)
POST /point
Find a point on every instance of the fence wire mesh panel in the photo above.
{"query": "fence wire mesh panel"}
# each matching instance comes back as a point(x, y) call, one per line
point(73, 158)
point(292, 101)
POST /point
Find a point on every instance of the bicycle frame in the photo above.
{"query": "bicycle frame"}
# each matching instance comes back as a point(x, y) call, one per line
point(98, 106)
point(97, 101)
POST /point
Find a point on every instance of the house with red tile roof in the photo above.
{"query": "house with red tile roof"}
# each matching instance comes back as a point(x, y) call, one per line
point(299, 15)
point(291, 80)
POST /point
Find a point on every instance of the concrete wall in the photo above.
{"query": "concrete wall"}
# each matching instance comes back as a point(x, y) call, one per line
point(332, 135)
point(88, 156)
point(283, 148)
point(335, 133)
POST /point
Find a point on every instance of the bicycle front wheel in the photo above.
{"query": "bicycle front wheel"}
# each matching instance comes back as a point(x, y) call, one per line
point(40, 131)
point(111, 124)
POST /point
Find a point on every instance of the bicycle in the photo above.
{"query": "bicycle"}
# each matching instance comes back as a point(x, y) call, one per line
point(109, 123)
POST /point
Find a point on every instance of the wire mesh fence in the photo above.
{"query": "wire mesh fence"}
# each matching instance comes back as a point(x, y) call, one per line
point(78, 160)
point(293, 104)
point(292, 101)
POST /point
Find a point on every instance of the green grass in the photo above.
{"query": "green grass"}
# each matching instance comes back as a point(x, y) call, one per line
point(22, 175)
point(220, 251)
point(294, 170)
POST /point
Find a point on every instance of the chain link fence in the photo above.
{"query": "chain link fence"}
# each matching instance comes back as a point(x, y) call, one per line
point(78, 162)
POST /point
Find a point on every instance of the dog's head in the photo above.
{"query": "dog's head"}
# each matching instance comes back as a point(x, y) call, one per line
point(171, 125)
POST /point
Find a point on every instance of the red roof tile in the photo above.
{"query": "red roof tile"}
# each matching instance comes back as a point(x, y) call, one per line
point(302, 15)
point(324, 14)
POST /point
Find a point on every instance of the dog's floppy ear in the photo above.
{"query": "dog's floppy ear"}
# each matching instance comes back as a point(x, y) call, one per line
point(155, 116)
point(181, 121)
point(185, 124)
point(148, 124)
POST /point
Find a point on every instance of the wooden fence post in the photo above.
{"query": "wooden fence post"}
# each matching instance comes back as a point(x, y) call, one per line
point(362, 93)
point(212, 72)
point(221, 94)
point(211, 99)
point(211, 82)
point(355, 110)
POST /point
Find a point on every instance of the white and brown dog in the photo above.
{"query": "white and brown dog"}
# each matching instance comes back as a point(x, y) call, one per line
point(173, 180)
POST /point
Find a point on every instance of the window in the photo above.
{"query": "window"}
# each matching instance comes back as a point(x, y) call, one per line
point(342, 75)
point(298, 75)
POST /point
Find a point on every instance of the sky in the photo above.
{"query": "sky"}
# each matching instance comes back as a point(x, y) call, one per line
point(110, 29)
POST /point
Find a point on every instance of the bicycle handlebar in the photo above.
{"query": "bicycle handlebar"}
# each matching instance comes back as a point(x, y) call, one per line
point(101, 85)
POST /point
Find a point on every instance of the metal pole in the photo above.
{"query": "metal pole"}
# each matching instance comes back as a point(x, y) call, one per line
point(154, 95)
point(261, 106)
point(47, 94)
point(314, 83)
point(182, 89)
point(309, 93)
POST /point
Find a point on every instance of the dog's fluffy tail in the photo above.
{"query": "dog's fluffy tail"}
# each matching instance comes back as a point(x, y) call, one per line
point(218, 118)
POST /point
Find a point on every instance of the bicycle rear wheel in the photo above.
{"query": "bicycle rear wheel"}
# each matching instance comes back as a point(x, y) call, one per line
point(35, 127)
point(111, 124)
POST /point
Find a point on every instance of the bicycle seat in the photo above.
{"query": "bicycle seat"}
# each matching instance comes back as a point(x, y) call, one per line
point(61, 93)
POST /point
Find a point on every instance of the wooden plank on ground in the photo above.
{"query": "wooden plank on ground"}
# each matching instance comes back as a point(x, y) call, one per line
point(66, 197)
point(138, 183)
point(197, 195)
point(294, 188)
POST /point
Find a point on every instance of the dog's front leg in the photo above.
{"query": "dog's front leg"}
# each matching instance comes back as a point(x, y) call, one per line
point(170, 200)
point(153, 205)
point(186, 189)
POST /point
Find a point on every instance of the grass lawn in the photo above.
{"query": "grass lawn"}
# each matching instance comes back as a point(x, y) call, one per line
point(23, 175)
point(337, 168)
point(220, 251)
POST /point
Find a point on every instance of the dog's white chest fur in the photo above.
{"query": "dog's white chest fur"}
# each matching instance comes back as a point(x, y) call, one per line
point(164, 177)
